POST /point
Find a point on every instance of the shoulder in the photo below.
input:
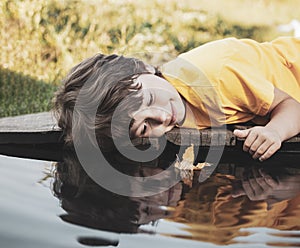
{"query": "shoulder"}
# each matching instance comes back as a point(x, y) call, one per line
point(212, 56)
point(218, 48)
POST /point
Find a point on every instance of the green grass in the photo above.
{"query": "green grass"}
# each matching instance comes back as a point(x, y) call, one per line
point(44, 39)
point(20, 94)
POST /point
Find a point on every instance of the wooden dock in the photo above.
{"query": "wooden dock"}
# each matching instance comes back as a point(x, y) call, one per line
point(29, 129)
point(31, 136)
point(39, 132)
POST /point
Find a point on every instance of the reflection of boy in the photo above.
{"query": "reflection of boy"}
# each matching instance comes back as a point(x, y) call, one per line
point(88, 204)
point(223, 82)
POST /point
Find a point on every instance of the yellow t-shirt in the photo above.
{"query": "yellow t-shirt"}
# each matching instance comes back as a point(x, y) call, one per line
point(232, 81)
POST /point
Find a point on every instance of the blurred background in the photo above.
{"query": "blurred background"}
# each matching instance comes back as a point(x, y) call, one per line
point(42, 40)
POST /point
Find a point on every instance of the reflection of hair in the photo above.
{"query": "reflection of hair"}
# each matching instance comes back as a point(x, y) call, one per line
point(110, 82)
point(87, 204)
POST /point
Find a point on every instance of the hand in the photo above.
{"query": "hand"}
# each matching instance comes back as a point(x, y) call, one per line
point(257, 185)
point(260, 142)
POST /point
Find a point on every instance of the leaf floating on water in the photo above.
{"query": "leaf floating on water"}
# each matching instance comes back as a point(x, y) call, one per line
point(200, 166)
point(187, 159)
point(189, 154)
point(186, 166)
point(185, 175)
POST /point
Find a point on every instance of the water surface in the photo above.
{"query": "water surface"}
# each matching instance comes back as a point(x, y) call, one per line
point(242, 204)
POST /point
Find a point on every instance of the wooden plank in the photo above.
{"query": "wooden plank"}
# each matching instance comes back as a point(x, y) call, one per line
point(50, 152)
point(38, 128)
point(207, 137)
point(50, 137)
point(41, 128)
point(30, 123)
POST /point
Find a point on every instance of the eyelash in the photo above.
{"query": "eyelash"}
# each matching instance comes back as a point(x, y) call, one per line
point(151, 100)
point(144, 128)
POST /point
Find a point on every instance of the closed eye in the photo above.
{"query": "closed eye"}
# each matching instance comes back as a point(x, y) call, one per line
point(144, 129)
point(151, 99)
point(148, 125)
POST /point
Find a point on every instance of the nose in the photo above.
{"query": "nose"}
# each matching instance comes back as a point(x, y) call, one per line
point(160, 124)
point(162, 119)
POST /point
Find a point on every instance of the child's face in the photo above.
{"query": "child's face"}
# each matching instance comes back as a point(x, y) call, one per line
point(161, 110)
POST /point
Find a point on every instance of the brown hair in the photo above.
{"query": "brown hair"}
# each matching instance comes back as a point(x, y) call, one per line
point(108, 81)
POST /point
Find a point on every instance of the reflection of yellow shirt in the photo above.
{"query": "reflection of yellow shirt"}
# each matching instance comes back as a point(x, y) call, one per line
point(232, 81)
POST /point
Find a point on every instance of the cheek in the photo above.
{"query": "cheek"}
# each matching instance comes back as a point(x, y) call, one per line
point(169, 128)
point(155, 133)
point(162, 98)
point(158, 131)
point(142, 113)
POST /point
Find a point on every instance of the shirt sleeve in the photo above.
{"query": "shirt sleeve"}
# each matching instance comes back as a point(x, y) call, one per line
point(245, 88)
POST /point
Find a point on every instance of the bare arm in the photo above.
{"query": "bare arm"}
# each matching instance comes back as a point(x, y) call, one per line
point(263, 142)
point(285, 115)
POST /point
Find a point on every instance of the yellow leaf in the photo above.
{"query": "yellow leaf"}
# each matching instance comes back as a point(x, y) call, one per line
point(189, 154)
point(200, 166)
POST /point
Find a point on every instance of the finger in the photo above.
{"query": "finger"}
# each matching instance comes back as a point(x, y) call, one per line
point(258, 146)
point(237, 189)
point(257, 190)
point(260, 180)
point(270, 151)
point(241, 133)
point(249, 141)
point(254, 180)
point(248, 189)
point(262, 172)
point(247, 185)
point(261, 148)
point(268, 179)
point(255, 172)
point(263, 184)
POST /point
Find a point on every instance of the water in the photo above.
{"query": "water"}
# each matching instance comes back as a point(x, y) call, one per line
point(242, 204)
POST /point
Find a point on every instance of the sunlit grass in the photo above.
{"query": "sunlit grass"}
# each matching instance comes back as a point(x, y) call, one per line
point(22, 94)
point(253, 12)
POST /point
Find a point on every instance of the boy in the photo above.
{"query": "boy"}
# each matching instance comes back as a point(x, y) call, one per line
point(222, 82)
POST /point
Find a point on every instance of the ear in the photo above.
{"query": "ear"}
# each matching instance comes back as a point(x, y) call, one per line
point(150, 68)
